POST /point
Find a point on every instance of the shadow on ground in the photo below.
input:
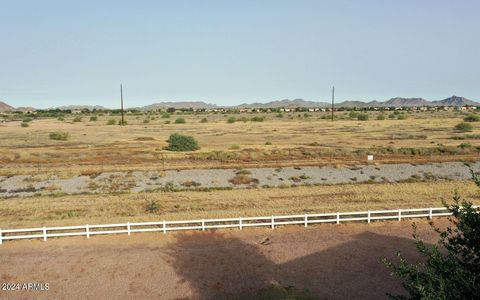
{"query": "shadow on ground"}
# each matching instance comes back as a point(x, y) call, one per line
point(219, 267)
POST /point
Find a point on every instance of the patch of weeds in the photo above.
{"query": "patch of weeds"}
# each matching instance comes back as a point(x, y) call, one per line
point(191, 183)
point(152, 206)
point(243, 179)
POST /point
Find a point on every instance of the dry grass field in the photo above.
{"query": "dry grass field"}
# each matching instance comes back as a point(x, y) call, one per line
point(295, 138)
point(292, 139)
point(186, 205)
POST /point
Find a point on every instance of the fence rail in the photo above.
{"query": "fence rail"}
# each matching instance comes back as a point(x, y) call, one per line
point(204, 224)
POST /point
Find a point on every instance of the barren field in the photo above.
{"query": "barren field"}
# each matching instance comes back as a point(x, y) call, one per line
point(293, 139)
point(331, 261)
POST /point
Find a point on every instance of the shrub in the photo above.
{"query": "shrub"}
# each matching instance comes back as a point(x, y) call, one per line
point(472, 118)
point(231, 120)
point(77, 119)
point(463, 127)
point(179, 142)
point(268, 143)
point(450, 269)
point(146, 121)
point(111, 122)
point(381, 117)
point(167, 122)
point(362, 117)
point(243, 179)
point(27, 119)
point(402, 117)
point(204, 120)
point(152, 206)
point(93, 118)
point(61, 118)
point(165, 115)
point(124, 122)
point(24, 124)
point(180, 121)
point(279, 115)
point(258, 119)
point(353, 114)
point(59, 135)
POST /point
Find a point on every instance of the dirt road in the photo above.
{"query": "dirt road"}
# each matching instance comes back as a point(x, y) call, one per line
point(331, 261)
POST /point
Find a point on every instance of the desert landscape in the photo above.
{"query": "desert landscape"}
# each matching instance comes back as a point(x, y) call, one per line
point(239, 150)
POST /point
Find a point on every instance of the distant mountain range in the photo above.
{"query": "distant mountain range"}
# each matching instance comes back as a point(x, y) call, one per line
point(5, 107)
point(394, 102)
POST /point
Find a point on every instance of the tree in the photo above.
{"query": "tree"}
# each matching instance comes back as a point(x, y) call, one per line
point(451, 269)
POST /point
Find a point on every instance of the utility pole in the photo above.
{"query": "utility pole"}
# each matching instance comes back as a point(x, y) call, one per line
point(333, 100)
point(121, 101)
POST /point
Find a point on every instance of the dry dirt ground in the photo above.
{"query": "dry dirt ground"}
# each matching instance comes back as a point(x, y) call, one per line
point(332, 261)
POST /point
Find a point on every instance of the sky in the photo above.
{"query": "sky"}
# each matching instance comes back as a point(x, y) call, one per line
point(228, 52)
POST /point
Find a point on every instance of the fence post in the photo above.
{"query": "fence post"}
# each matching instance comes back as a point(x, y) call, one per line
point(44, 234)
point(368, 217)
point(240, 223)
point(128, 228)
point(338, 218)
point(273, 222)
point(399, 214)
point(306, 220)
point(164, 227)
point(1, 237)
point(87, 230)
point(203, 225)
point(430, 213)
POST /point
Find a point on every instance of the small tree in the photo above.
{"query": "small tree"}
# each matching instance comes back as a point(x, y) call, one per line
point(451, 269)
point(179, 142)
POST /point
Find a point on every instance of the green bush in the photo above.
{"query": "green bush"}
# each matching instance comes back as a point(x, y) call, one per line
point(179, 142)
point(27, 119)
point(165, 115)
point(463, 127)
point(93, 118)
point(450, 269)
point(77, 119)
point(204, 120)
point(402, 117)
point(146, 121)
point(381, 117)
point(353, 114)
point(24, 124)
point(231, 120)
point(258, 119)
point(111, 122)
point(61, 118)
point(59, 135)
point(124, 122)
point(180, 121)
point(472, 118)
point(362, 117)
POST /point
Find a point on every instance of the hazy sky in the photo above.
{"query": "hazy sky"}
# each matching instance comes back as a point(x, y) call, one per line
point(227, 52)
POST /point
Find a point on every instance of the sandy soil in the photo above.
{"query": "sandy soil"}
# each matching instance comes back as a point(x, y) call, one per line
point(332, 261)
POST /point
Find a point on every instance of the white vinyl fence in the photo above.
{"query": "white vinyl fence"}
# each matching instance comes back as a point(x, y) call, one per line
point(203, 224)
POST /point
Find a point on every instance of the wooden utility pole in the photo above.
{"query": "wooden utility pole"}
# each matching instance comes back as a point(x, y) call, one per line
point(333, 100)
point(121, 101)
